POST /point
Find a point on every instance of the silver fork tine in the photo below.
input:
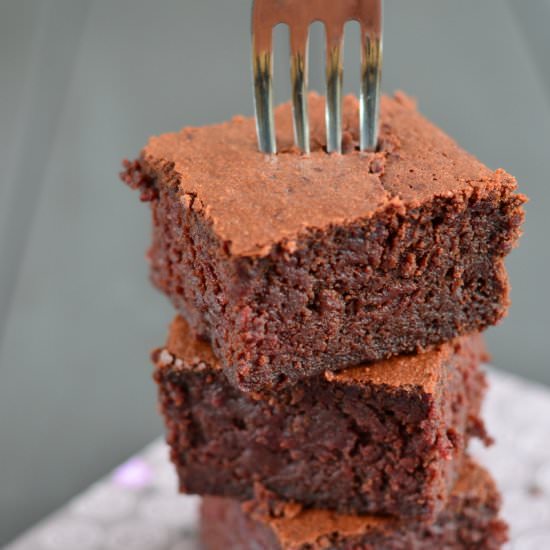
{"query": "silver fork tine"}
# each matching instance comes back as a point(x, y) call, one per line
point(334, 77)
point(371, 69)
point(298, 75)
point(262, 67)
point(298, 14)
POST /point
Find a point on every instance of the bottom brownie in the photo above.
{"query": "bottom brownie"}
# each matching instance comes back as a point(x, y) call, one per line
point(470, 521)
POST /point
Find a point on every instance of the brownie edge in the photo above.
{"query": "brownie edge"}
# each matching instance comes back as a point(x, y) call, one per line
point(470, 520)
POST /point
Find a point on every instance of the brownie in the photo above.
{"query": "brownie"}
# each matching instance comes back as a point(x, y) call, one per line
point(383, 438)
point(293, 265)
point(469, 521)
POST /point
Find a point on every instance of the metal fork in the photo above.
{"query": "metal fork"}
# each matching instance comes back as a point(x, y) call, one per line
point(299, 15)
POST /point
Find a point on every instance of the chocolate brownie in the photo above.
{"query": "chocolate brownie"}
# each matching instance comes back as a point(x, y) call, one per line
point(385, 438)
point(293, 265)
point(469, 521)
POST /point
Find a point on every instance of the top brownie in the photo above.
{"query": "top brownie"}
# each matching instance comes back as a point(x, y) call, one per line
point(291, 265)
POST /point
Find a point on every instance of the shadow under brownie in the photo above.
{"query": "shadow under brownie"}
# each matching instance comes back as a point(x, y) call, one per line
point(470, 520)
point(384, 438)
point(293, 265)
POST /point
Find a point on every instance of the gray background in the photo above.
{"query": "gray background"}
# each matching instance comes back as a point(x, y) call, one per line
point(84, 83)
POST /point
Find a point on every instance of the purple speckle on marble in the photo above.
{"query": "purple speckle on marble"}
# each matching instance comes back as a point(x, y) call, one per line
point(133, 474)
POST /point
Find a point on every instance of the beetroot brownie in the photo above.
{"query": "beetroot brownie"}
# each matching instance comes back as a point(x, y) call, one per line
point(470, 521)
point(387, 438)
point(293, 265)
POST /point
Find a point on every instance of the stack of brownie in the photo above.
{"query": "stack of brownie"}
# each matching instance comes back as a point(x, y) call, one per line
point(322, 379)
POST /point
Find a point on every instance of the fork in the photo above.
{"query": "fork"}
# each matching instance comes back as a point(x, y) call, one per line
point(299, 15)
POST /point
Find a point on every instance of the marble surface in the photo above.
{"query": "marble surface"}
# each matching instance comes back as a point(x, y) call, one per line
point(136, 507)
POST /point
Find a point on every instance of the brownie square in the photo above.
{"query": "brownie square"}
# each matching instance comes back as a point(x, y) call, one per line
point(470, 520)
point(293, 265)
point(385, 438)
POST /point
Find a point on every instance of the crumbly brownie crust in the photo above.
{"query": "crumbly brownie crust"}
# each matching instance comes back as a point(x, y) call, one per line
point(470, 521)
point(386, 438)
point(292, 265)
